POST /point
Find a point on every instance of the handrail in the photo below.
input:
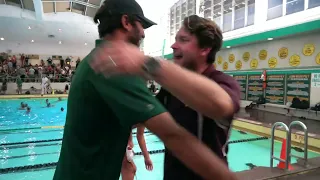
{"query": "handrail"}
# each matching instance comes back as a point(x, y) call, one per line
point(272, 157)
point(305, 129)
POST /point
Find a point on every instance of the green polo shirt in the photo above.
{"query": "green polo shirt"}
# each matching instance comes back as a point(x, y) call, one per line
point(101, 112)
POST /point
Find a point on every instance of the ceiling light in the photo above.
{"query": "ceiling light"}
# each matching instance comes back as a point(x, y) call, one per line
point(60, 42)
point(228, 47)
point(2, 39)
point(60, 29)
point(85, 43)
point(32, 40)
point(270, 39)
point(29, 27)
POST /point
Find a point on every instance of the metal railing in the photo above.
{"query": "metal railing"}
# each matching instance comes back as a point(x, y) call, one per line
point(305, 129)
point(11, 79)
point(288, 131)
point(272, 157)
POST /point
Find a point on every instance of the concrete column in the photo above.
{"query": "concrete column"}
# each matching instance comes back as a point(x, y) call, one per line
point(38, 9)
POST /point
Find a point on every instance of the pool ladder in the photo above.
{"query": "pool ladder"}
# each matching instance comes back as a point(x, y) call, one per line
point(288, 143)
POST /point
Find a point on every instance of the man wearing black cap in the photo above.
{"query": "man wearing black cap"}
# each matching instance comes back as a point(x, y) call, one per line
point(102, 111)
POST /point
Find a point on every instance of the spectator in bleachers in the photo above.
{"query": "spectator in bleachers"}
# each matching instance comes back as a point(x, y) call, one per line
point(42, 63)
point(77, 62)
point(14, 61)
point(61, 63)
point(49, 61)
point(19, 85)
point(3, 87)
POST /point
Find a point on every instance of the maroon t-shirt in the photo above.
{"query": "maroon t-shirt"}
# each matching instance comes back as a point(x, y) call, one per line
point(214, 133)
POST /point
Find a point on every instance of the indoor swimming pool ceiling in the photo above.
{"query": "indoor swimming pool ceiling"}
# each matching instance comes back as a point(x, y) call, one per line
point(84, 7)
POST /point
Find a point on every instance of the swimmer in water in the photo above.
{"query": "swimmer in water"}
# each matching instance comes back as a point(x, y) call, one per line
point(49, 105)
point(62, 109)
point(28, 110)
point(59, 99)
point(22, 106)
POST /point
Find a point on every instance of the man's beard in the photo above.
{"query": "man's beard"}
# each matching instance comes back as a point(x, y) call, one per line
point(134, 37)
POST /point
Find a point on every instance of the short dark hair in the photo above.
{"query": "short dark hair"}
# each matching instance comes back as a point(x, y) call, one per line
point(207, 32)
point(109, 22)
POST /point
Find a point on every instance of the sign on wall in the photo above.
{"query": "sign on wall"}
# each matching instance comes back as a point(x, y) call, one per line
point(220, 60)
point(298, 85)
point(318, 58)
point(272, 62)
point(242, 80)
point(225, 66)
point(294, 60)
point(315, 80)
point(263, 54)
point(255, 89)
point(283, 53)
point(308, 49)
point(246, 56)
point(231, 58)
point(254, 63)
point(275, 89)
point(238, 65)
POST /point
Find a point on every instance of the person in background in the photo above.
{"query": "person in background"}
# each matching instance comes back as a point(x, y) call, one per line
point(28, 110)
point(26, 60)
point(44, 85)
point(102, 111)
point(22, 58)
point(49, 60)
point(14, 62)
point(128, 169)
point(66, 89)
point(31, 74)
point(61, 63)
point(22, 106)
point(200, 98)
point(4, 87)
point(77, 62)
point(62, 109)
point(19, 85)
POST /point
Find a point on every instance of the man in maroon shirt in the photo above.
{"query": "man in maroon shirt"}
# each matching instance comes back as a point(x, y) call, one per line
point(200, 98)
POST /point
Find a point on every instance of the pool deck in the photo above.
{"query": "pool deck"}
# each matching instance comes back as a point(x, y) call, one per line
point(311, 172)
point(24, 96)
point(264, 129)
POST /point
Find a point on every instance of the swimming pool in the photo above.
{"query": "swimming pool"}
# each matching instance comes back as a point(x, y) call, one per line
point(240, 154)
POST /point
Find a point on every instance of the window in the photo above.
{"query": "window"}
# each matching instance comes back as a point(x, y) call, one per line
point(275, 8)
point(294, 6)
point(313, 3)
point(191, 7)
point(239, 14)
point(251, 12)
point(227, 15)
point(217, 12)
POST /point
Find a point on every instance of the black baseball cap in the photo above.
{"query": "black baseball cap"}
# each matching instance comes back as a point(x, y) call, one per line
point(129, 7)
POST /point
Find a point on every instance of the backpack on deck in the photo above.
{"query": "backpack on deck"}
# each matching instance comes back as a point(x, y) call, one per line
point(295, 102)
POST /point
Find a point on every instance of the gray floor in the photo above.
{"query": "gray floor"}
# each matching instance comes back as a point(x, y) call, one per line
point(312, 172)
point(310, 175)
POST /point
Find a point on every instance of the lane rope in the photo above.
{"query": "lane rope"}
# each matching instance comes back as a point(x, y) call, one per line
point(53, 164)
point(43, 141)
point(32, 128)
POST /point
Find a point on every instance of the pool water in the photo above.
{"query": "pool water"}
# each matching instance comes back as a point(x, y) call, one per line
point(255, 152)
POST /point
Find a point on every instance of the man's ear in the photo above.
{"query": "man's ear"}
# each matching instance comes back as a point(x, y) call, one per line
point(205, 51)
point(126, 23)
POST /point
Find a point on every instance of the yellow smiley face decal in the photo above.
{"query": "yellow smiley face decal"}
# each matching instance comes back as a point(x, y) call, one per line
point(225, 66)
point(272, 62)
